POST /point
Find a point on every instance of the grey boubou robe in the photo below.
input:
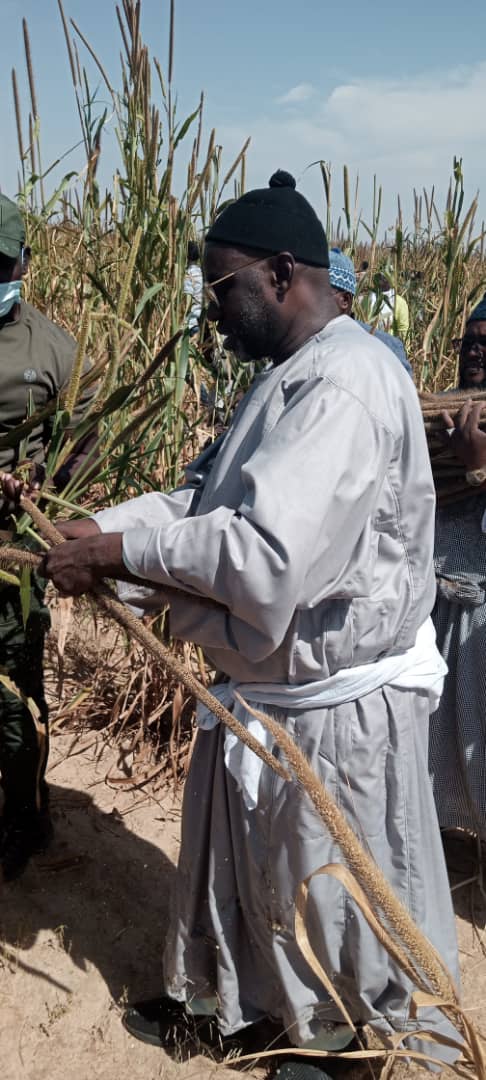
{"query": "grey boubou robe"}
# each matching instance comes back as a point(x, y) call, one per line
point(311, 524)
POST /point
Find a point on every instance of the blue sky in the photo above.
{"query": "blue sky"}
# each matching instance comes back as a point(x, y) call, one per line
point(390, 89)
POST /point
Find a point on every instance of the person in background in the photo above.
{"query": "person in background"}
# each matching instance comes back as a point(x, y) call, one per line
point(193, 287)
point(364, 267)
point(299, 556)
point(207, 343)
point(393, 315)
point(36, 359)
point(458, 727)
point(342, 277)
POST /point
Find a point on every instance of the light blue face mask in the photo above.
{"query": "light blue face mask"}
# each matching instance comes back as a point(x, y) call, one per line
point(9, 295)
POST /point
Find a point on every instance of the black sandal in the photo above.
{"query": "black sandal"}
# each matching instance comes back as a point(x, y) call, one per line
point(163, 1022)
point(297, 1068)
point(157, 1021)
point(293, 1070)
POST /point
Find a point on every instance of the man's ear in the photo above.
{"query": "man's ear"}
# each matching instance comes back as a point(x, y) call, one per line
point(283, 269)
point(344, 301)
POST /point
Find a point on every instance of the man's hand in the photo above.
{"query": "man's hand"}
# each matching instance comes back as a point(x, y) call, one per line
point(466, 439)
point(78, 530)
point(13, 487)
point(78, 566)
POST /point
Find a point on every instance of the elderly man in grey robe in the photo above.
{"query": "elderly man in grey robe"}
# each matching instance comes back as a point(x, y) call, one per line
point(299, 556)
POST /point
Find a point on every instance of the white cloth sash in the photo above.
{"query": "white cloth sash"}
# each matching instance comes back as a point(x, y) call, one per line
point(419, 668)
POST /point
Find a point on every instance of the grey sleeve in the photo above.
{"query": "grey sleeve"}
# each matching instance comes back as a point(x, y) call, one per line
point(310, 490)
point(156, 509)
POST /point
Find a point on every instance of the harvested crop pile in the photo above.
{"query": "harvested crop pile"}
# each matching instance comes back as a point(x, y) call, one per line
point(449, 472)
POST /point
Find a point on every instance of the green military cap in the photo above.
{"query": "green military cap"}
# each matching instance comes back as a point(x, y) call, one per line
point(12, 229)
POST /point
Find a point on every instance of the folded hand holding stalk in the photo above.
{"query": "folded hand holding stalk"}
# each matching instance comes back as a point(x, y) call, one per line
point(80, 565)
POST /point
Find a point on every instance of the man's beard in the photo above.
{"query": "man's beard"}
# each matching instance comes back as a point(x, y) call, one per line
point(257, 331)
point(466, 384)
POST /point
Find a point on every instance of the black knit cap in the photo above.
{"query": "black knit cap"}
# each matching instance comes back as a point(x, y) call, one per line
point(273, 219)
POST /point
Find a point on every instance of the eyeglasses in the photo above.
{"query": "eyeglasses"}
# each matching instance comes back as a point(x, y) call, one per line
point(208, 288)
point(467, 344)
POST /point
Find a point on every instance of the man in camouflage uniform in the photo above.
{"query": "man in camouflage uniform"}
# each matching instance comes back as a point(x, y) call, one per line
point(36, 359)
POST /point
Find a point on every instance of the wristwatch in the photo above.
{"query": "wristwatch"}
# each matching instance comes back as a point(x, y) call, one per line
point(476, 477)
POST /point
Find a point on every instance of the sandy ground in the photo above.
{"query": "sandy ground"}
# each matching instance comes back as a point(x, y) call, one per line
point(82, 931)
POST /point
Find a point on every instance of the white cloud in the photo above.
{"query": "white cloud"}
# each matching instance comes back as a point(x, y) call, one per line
point(296, 95)
point(406, 131)
point(422, 111)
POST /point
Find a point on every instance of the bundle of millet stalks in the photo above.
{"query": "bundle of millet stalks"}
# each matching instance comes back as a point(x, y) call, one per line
point(448, 470)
